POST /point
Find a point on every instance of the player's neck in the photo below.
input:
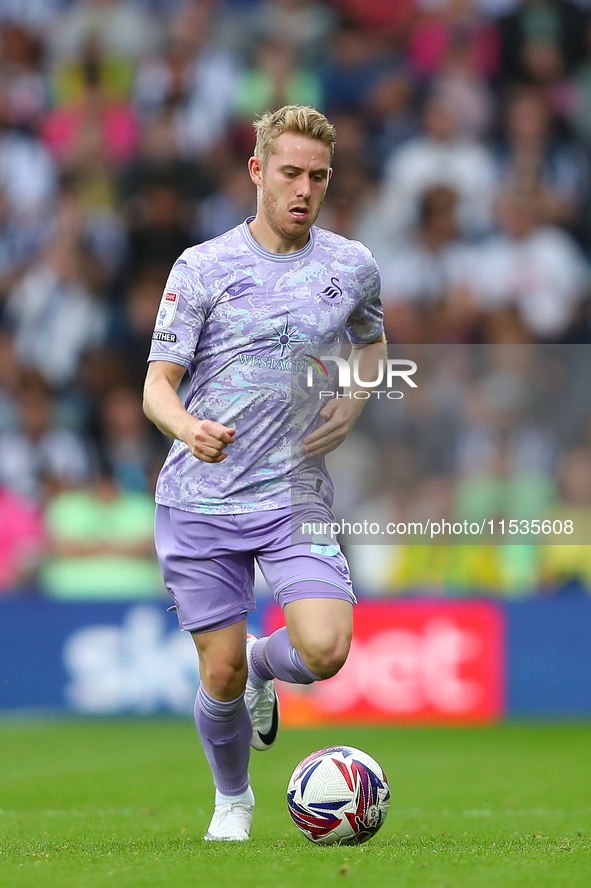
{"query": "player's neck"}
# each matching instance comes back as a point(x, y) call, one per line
point(271, 240)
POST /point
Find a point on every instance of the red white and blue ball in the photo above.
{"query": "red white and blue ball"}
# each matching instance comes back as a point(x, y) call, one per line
point(338, 796)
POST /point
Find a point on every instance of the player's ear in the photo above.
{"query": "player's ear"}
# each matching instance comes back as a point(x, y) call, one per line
point(255, 168)
point(329, 174)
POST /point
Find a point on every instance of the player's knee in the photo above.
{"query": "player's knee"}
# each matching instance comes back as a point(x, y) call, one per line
point(224, 679)
point(324, 657)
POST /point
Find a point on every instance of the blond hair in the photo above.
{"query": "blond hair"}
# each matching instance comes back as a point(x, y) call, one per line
point(291, 119)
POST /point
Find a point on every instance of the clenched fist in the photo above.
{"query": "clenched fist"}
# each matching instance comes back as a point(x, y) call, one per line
point(207, 439)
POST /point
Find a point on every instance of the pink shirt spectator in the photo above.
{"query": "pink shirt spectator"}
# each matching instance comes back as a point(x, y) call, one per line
point(432, 41)
point(22, 538)
point(116, 122)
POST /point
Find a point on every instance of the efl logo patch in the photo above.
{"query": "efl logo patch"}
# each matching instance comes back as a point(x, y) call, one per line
point(167, 310)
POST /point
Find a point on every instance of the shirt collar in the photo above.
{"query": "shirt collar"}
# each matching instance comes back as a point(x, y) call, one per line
point(275, 257)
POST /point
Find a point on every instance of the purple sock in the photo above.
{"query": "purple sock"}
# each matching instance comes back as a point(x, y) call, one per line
point(225, 731)
point(275, 657)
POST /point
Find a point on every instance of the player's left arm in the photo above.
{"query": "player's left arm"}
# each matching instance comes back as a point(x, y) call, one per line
point(340, 414)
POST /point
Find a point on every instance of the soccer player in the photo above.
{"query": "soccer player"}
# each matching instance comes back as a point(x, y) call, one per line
point(234, 312)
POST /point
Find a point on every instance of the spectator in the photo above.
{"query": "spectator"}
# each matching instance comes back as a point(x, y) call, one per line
point(161, 229)
point(355, 65)
point(349, 209)
point(565, 564)
point(128, 442)
point(541, 40)
point(89, 219)
point(159, 159)
point(101, 369)
point(19, 242)
point(164, 80)
point(94, 124)
point(26, 81)
point(511, 571)
point(463, 87)
point(22, 542)
point(390, 117)
point(305, 24)
point(441, 156)
point(101, 544)
point(203, 116)
point(40, 450)
point(92, 65)
point(228, 206)
point(120, 27)
point(429, 270)
point(275, 78)
point(536, 269)
point(27, 171)
point(132, 326)
point(453, 31)
point(533, 156)
point(9, 380)
point(54, 313)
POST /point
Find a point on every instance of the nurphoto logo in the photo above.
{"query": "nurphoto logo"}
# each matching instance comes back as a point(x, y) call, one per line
point(390, 370)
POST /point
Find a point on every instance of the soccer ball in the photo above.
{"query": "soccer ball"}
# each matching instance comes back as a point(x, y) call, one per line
point(338, 796)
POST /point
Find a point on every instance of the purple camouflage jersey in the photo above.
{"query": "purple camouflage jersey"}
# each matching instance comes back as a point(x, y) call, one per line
point(240, 319)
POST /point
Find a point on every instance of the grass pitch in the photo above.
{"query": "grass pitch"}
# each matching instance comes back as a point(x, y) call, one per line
point(92, 804)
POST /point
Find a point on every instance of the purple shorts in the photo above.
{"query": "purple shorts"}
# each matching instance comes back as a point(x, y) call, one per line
point(207, 563)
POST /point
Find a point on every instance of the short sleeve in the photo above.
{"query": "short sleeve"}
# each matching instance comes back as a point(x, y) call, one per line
point(365, 324)
point(181, 315)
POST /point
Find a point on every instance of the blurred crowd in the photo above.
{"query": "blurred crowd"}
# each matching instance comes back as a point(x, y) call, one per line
point(463, 161)
point(494, 437)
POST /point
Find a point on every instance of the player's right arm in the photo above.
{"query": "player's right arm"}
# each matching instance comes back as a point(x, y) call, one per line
point(205, 439)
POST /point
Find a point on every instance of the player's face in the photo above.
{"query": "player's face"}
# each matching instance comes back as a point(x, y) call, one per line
point(293, 184)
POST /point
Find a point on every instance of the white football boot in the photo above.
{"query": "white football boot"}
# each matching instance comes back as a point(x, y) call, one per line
point(230, 823)
point(232, 817)
point(262, 704)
